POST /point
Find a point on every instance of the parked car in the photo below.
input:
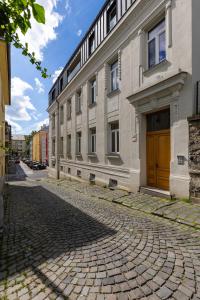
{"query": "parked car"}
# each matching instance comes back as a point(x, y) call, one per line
point(17, 161)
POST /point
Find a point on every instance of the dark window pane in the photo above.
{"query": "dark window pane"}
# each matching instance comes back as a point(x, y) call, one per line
point(152, 53)
point(158, 121)
point(117, 141)
point(113, 142)
point(162, 47)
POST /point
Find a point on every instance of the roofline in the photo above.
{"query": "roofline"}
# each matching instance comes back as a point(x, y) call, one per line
point(80, 43)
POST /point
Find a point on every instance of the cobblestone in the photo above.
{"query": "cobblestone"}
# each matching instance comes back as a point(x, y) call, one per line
point(64, 242)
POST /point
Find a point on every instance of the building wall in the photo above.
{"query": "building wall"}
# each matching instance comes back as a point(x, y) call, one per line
point(40, 146)
point(128, 43)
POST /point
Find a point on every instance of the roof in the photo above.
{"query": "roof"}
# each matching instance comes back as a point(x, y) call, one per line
point(18, 137)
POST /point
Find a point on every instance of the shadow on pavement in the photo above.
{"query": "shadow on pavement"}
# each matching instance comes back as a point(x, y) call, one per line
point(40, 226)
point(15, 173)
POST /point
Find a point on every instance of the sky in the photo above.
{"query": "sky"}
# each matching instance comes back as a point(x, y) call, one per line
point(53, 43)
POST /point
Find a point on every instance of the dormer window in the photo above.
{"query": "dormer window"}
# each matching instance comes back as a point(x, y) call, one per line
point(112, 16)
point(92, 43)
point(53, 94)
point(61, 84)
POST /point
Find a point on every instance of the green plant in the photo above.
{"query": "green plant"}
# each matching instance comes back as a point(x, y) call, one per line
point(15, 15)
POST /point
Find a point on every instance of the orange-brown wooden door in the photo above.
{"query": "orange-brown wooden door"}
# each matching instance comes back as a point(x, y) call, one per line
point(158, 159)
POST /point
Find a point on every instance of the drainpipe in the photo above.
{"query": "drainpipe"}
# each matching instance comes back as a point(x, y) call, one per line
point(58, 143)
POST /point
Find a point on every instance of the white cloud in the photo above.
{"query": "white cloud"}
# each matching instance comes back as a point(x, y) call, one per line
point(68, 7)
point(41, 34)
point(38, 125)
point(22, 107)
point(39, 86)
point(79, 32)
point(56, 74)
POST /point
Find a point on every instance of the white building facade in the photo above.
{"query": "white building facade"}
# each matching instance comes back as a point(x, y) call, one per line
point(118, 111)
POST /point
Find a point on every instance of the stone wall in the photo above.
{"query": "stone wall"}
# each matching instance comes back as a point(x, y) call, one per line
point(194, 157)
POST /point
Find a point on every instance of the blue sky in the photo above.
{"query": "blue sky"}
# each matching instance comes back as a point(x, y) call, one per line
point(66, 23)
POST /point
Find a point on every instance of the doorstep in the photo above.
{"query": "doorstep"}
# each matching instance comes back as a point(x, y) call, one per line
point(156, 192)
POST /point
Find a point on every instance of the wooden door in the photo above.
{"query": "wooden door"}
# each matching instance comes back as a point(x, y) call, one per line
point(158, 149)
point(158, 159)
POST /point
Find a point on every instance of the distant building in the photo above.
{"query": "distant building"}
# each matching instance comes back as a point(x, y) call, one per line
point(40, 145)
point(4, 100)
point(18, 145)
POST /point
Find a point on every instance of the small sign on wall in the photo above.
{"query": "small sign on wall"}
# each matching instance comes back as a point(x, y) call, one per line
point(181, 160)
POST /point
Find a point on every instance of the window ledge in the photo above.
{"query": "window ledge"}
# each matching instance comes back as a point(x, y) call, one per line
point(113, 93)
point(69, 156)
point(92, 105)
point(113, 155)
point(157, 66)
point(92, 155)
point(78, 155)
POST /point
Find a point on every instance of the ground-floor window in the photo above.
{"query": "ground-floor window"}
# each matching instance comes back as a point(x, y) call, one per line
point(114, 137)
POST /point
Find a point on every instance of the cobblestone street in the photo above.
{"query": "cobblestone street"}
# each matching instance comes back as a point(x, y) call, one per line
point(62, 244)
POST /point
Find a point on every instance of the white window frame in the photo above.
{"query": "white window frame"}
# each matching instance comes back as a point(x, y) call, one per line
point(114, 132)
point(114, 76)
point(93, 140)
point(93, 87)
point(78, 142)
point(156, 37)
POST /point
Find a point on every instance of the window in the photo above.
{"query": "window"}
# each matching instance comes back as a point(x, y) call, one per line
point(53, 94)
point(114, 129)
point(61, 146)
point(78, 142)
point(78, 173)
point(156, 44)
point(78, 102)
point(74, 68)
point(112, 16)
point(93, 140)
point(114, 76)
point(92, 43)
point(61, 84)
point(69, 170)
point(53, 147)
point(92, 178)
point(69, 144)
point(69, 109)
point(93, 91)
point(53, 121)
point(61, 115)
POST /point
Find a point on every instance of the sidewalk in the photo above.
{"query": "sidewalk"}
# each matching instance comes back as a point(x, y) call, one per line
point(175, 210)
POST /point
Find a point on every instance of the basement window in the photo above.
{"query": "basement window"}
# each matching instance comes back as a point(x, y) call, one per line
point(78, 173)
point(112, 183)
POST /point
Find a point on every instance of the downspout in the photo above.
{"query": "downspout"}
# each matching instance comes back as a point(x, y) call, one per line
point(58, 143)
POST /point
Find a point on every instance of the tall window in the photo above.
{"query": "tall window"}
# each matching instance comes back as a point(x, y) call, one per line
point(114, 141)
point(61, 115)
point(53, 121)
point(92, 43)
point(78, 102)
point(114, 76)
point(112, 16)
point(93, 140)
point(61, 84)
point(78, 142)
point(93, 91)
point(69, 109)
point(53, 146)
point(61, 146)
point(53, 94)
point(156, 44)
point(69, 144)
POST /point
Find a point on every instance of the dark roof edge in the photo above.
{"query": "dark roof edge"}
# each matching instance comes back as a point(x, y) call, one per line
point(80, 43)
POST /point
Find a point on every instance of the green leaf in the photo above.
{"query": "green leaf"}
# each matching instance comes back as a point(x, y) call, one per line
point(38, 13)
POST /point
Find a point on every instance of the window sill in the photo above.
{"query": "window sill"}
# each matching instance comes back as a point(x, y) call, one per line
point(78, 155)
point(113, 93)
point(93, 155)
point(69, 156)
point(113, 155)
point(157, 66)
point(91, 105)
